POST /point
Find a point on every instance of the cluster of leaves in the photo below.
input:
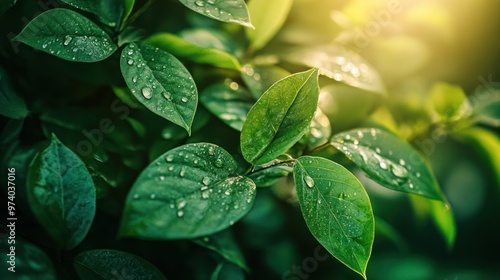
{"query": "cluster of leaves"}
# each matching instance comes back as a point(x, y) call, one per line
point(193, 182)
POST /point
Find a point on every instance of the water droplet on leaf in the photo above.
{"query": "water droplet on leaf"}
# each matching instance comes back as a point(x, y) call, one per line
point(309, 181)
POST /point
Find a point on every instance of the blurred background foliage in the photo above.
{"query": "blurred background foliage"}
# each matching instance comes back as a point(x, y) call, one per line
point(439, 61)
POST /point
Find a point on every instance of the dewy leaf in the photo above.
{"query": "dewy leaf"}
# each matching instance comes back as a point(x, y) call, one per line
point(389, 161)
point(340, 64)
point(61, 194)
point(67, 35)
point(259, 78)
point(267, 17)
point(110, 12)
point(160, 82)
point(336, 209)
point(230, 104)
point(186, 50)
point(188, 192)
point(112, 264)
point(224, 243)
point(224, 10)
point(12, 105)
point(280, 117)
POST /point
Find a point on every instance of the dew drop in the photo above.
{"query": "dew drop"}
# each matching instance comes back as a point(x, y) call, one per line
point(180, 213)
point(206, 181)
point(206, 239)
point(418, 174)
point(169, 158)
point(162, 178)
point(211, 2)
point(360, 133)
point(182, 173)
point(184, 99)
point(167, 95)
point(44, 46)
point(199, 3)
point(136, 196)
point(399, 171)
point(411, 186)
point(309, 181)
point(134, 79)
point(205, 195)
point(402, 162)
point(377, 150)
point(231, 222)
point(130, 52)
point(147, 93)
point(227, 192)
point(67, 40)
point(130, 62)
point(181, 204)
point(152, 196)
point(383, 165)
point(218, 163)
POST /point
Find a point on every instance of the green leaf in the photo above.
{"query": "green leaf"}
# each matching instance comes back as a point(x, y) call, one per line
point(486, 143)
point(269, 176)
point(188, 192)
point(267, 17)
point(340, 64)
point(336, 209)
point(225, 245)
point(228, 104)
point(61, 194)
point(449, 102)
point(280, 117)
point(112, 264)
point(186, 50)
point(444, 220)
point(67, 35)
point(160, 82)
point(259, 78)
point(389, 161)
point(110, 12)
point(30, 263)
point(12, 105)
point(224, 10)
point(487, 107)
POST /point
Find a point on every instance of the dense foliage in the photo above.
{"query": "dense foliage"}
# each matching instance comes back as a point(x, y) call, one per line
point(219, 139)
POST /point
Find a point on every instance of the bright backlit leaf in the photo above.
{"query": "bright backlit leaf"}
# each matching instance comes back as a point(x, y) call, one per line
point(224, 243)
point(389, 161)
point(67, 35)
point(112, 264)
point(267, 17)
point(280, 117)
point(186, 50)
point(231, 105)
point(160, 82)
point(336, 209)
point(449, 102)
point(340, 64)
point(110, 12)
point(61, 194)
point(188, 192)
point(224, 10)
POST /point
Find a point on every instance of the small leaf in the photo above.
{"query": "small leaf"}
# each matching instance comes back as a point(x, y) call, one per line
point(30, 262)
point(280, 117)
point(449, 102)
point(188, 192)
point(269, 176)
point(224, 10)
point(224, 243)
point(67, 35)
point(259, 78)
point(110, 12)
point(227, 271)
point(61, 194)
point(340, 64)
point(12, 105)
point(112, 264)
point(267, 17)
point(228, 104)
point(186, 50)
point(389, 161)
point(336, 209)
point(160, 82)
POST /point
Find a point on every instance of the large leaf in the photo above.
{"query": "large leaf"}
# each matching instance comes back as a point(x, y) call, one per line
point(30, 262)
point(188, 192)
point(230, 104)
point(224, 10)
point(389, 160)
point(267, 17)
point(186, 50)
point(340, 64)
point(61, 194)
point(280, 117)
point(160, 82)
point(110, 12)
point(224, 243)
point(67, 35)
point(336, 209)
point(12, 105)
point(112, 264)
